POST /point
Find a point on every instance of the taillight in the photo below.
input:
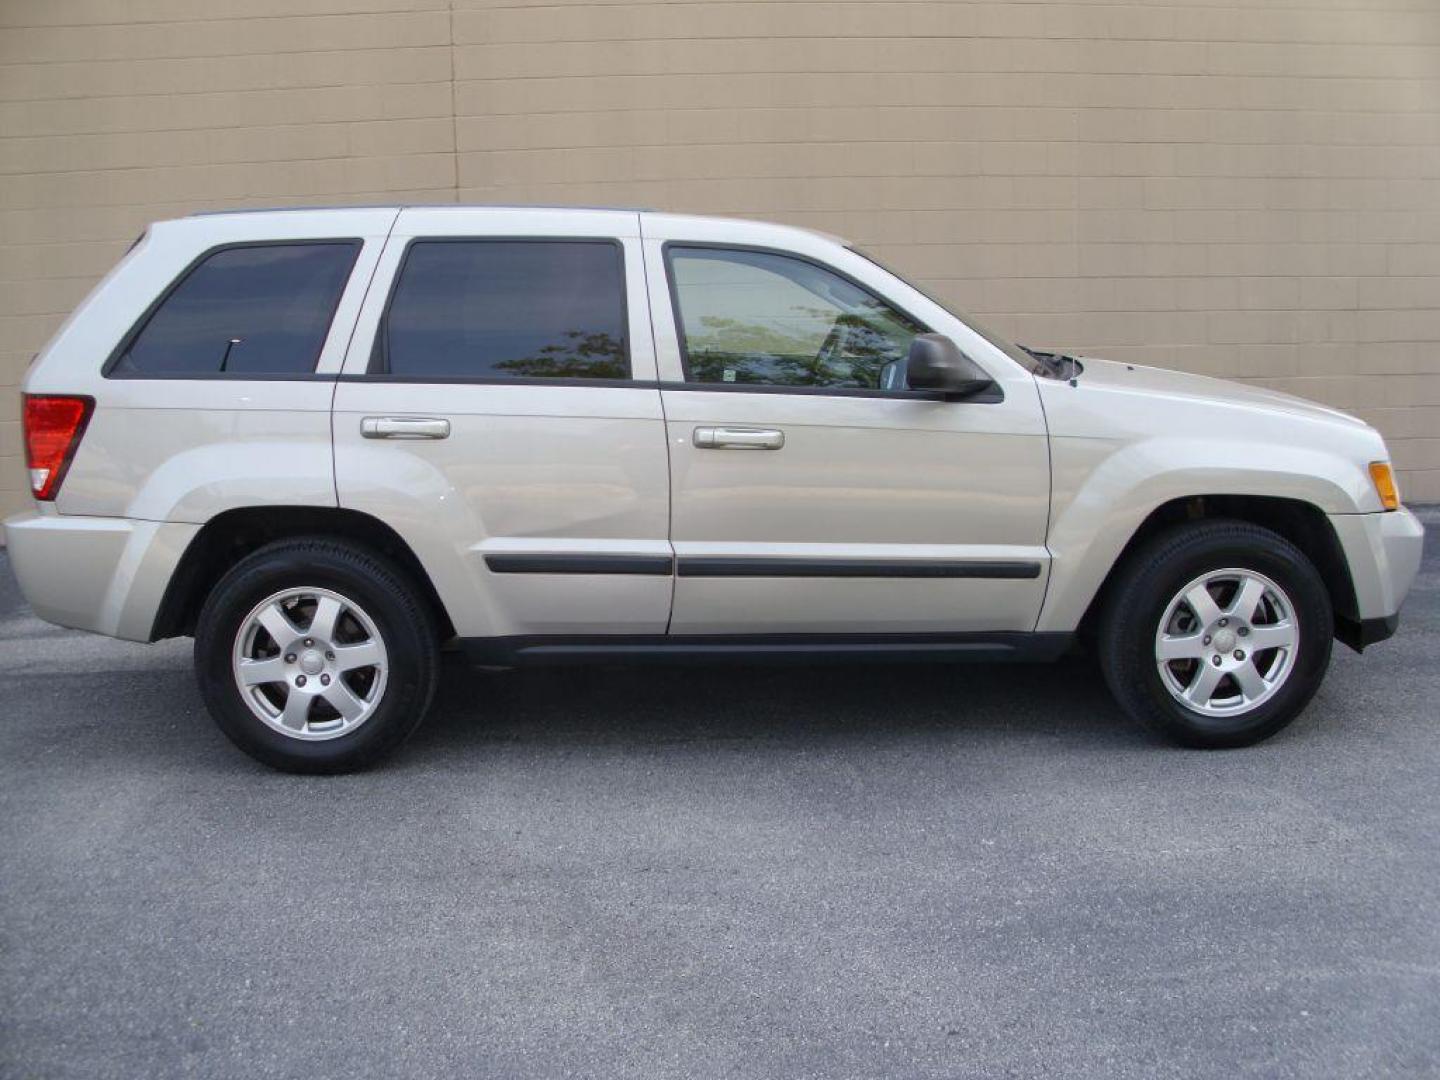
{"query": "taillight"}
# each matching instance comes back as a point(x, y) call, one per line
point(53, 425)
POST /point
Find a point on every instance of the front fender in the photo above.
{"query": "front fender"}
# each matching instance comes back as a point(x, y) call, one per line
point(1104, 490)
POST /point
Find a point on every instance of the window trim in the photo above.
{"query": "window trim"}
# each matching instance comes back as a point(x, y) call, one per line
point(377, 365)
point(107, 370)
point(814, 391)
point(667, 253)
point(649, 384)
point(495, 380)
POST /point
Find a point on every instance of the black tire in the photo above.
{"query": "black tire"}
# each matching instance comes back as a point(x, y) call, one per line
point(1153, 575)
point(392, 602)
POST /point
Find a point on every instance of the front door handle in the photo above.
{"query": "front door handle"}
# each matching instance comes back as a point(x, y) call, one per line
point(716, 438)
point(404, 427)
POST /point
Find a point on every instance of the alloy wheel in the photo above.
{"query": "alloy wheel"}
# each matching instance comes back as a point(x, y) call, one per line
point(310, 663)
point(1227, 642)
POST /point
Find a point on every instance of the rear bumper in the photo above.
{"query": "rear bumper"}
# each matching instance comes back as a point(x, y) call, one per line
point(1383, 552)
point(105, 575)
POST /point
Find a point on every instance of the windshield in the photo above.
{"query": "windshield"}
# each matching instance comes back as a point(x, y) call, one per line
point(1030, 361)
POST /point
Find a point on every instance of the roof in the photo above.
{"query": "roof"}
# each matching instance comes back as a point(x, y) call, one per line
point(511, 207)
point(418, 206)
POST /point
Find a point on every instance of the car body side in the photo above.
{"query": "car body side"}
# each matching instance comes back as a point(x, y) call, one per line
point(1128, 441)
point(1066, 473)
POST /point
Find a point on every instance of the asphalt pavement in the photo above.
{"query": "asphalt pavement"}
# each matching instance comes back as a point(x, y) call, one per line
point(861, 871)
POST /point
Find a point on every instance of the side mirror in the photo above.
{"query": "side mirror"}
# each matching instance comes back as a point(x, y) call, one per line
point(936, 363)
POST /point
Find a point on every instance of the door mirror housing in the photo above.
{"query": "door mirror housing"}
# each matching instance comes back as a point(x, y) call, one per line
point(937, 363)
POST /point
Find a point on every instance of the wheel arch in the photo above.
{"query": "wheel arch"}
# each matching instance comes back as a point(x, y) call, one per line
point(1301, 523)
point(230, 536)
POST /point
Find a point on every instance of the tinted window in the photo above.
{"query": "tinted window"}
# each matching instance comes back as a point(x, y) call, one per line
point(256, 310)
point(508, 309)
point(756, 317)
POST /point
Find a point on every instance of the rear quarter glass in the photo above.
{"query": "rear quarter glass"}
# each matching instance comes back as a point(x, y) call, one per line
point(245, 310)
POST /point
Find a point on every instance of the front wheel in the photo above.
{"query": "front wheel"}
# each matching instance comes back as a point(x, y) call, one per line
point(1217, 634)
point(316, 656)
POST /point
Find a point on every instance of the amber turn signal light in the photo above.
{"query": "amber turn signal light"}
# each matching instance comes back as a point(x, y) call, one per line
point(1384, 480)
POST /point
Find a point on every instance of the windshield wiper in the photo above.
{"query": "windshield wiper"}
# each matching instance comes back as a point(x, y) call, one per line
point(1064, 367)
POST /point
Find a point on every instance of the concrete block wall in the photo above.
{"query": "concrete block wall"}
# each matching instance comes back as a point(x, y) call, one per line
point(1248, 190)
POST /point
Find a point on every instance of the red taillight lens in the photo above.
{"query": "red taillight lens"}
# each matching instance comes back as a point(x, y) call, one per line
point(53, 426)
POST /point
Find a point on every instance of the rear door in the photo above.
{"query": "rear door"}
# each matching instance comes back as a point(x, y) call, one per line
point(499, 409)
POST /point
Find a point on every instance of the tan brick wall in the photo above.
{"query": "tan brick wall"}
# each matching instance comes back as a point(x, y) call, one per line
point(1244, 189)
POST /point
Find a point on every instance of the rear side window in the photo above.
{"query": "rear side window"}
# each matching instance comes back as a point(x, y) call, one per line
point(249, 310)
point(503, 309)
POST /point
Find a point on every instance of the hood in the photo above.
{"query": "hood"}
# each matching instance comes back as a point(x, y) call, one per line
point(1134, 378)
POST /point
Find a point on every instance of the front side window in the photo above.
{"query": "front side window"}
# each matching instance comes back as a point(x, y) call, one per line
point(760, 318)
point(497, 309)
point(249, 310)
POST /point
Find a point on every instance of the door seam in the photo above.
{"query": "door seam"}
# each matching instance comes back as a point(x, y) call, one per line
point(349, 343)
point(664, 422)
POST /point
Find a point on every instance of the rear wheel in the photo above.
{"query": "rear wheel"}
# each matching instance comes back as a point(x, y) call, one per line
point(316, 656)
point(1217, 633)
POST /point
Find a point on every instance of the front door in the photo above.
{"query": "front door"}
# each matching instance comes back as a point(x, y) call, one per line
point(812, 491)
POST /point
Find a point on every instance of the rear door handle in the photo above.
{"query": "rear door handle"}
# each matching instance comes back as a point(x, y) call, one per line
point(404, 427)
point(717, 438)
